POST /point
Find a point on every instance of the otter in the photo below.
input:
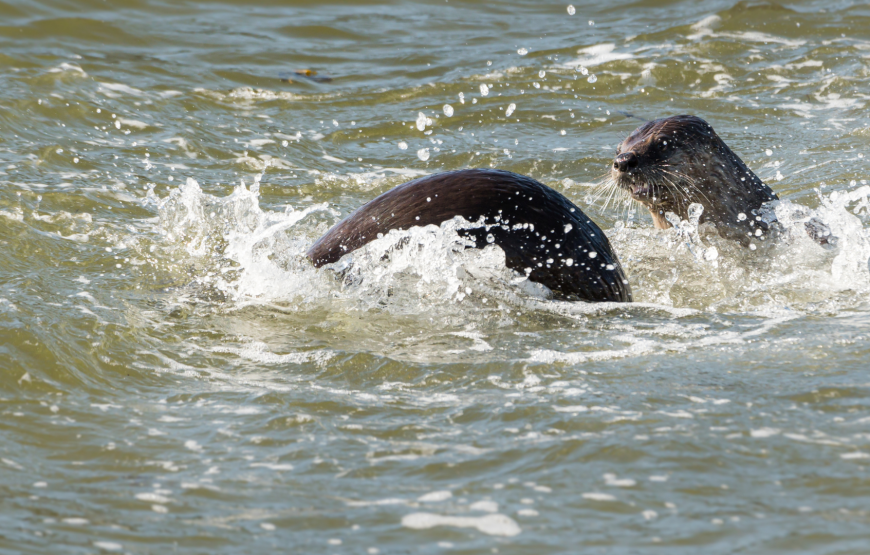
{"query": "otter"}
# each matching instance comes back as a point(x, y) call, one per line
point(543, 235)
point(671, 163)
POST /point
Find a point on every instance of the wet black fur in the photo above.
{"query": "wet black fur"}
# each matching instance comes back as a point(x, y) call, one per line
point(680, 160)
point(504, 200)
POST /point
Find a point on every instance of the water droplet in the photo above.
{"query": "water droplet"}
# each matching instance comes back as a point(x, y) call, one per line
point(490, 238)
point(484, 90)
point(592, 254)
point(542, 74)
point(403, 145)
point(562, 132)
point(568, 227)
point(423, 154)
point(583, 70)
point(768, 152)
point(421, 121)
point(571, 10)
point(462, 98)
point(569, 262)
point(448, 110)
point(510, 109)
point(523, 51)
point(592, 78)
point(741, 216)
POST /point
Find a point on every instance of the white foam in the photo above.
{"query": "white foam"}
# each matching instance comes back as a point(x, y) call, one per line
point(66, 67)
point(612, 480)
point(594, 496)
point(597, 55)
point(705, 27)
point(484, 506)
point(193, 445)
point(435, 497)
point(755, 36)
point(764, 432)
point(261, 142)
point(13, 464)
point(492, 525)
point(133, 123)
point(248, 93)
point(273, 466)
point(376, 503)
point(118, 88)
point(259, 352)
point(152, 497)
point(573, 409)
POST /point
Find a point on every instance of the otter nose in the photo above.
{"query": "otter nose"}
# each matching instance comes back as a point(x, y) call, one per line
point(625, 161)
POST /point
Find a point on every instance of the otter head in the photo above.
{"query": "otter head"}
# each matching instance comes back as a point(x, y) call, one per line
point(671, 163)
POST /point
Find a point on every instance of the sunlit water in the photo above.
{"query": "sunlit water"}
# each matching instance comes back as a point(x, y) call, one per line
point(177, 377)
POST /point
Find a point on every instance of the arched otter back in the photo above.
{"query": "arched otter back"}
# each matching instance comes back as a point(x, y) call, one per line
point(542, 234)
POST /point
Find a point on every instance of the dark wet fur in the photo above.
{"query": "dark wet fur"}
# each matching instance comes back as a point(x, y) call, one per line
point(504, 200)
point(679, 161)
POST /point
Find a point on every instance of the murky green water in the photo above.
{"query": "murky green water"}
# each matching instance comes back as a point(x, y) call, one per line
point(176, 377)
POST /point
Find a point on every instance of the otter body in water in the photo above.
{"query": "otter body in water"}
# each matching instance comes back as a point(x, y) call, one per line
point(671, 163)
point(542, 234)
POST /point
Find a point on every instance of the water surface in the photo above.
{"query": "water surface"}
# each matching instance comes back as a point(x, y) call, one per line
point(176, 376)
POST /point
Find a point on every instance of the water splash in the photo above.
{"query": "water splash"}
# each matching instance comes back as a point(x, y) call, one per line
point(234, 246)
point(252, 255)
point(689, 265)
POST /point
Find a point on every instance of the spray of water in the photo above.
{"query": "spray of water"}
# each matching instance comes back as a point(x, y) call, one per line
point(252, 255)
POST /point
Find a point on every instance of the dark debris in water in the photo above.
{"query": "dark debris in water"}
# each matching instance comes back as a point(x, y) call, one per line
point(309, 74)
